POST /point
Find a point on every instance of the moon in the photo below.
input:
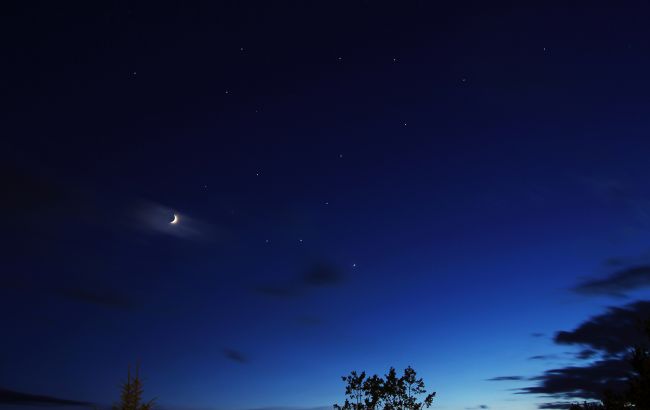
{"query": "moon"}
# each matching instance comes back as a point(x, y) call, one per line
point(175, 220)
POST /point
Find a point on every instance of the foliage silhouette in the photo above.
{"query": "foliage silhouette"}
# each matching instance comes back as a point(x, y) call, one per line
point(637, 395)
point(587, 406)
point(388, 393)
point(131, 394)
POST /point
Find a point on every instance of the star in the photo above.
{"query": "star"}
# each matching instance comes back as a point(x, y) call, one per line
point(354, 265)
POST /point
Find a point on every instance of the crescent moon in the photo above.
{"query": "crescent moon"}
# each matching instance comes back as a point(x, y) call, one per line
point(175, 220)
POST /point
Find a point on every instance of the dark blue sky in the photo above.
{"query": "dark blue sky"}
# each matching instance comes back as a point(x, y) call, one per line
point(359, 185)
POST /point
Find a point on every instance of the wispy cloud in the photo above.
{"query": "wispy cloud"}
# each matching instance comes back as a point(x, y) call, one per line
point(152, 217)
point(98, 296)
point(543, 357)
point(506, 378)
point(317, 275)
point(618, 283)
point(235, 356)
point(11, 397)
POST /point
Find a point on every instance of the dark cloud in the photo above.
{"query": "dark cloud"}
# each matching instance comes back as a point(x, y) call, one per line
point(609, 336)
point(560, 405)
point(582, 355)
point(275, 290)
point(43, 203)
point(537, 334)
point(480, 406)
point(586, 354)
point(543, 357)
point(235, 356)
point(618, 283)
point(100, 297)
point(614, 262)
point(322, 275)
point(506, 378)
point(315, 276)
point(15, 398)
point(24, 192)
point(92, 293)
point(575, 382)
point(612, 332)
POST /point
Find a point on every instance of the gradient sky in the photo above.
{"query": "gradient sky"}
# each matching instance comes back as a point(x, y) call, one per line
point(359, 185)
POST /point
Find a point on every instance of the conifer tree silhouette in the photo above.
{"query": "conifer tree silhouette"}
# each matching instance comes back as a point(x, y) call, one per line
point(131, 394)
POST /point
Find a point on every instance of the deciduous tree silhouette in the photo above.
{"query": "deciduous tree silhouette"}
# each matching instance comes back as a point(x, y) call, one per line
point(587, 406)
point(131, 395)
point(388, 393)
point(639, 391)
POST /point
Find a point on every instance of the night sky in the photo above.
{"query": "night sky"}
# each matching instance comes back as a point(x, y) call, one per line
point(460, 187)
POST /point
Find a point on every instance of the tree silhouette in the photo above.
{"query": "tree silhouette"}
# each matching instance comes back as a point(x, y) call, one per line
point(414, 388)
point(639, 391)
point(587, 406)
point(387, 393)
point(131, 394)
point(356, 395)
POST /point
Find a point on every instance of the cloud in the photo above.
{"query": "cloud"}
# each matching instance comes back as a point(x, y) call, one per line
point(618, 283)
point(612, 332)
point(88, 292)
point(543, 357)
point(156, 218)
point(563, 405)
point(506, 378)
point(586, 354)
point(12, 397)
point(318, 275)
point(607, 336)
point(41, 202)
point(97, 296)
point(576, 382)
point(25, 193)
point(235, 356)
point(275, 290)
point(322, 274)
